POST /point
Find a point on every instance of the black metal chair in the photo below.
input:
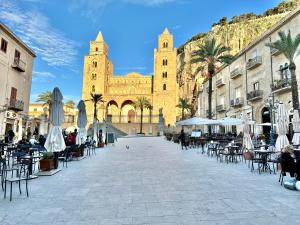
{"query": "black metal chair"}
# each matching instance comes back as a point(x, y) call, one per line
point(22, 175)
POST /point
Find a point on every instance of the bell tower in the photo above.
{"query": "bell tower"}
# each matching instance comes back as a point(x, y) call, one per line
point(96, 71)
point(165, 86)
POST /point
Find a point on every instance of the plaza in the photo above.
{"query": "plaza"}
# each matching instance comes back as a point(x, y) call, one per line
point(154, 182)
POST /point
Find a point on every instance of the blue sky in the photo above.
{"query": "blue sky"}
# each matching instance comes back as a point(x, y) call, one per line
point(60, 30)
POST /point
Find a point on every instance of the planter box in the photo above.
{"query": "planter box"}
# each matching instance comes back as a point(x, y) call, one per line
point(248, 155)
point(76, 154)
point(46, 164)
point(101, 145)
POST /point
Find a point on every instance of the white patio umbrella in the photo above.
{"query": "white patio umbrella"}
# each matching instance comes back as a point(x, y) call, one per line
point(42, 126)
point(247, 141)
point(296, 128)
point(282, 124)
point(81, 123)
point(230, 121)
point(197, 121)
point(55, 141)
point(95, 131)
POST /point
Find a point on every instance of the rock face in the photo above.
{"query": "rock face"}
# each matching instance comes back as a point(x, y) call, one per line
point(236, 35)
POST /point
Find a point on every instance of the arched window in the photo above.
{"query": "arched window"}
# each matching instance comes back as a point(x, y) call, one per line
point(94, 76)
point(93, 88)
point(96, 49)
point(165, 87)
point(95, 64)
point(165, 74)
point(165, 45)
point(165, 62)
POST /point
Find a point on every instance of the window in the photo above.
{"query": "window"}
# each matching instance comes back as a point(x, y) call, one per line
point(95, 64)
point(165, 45)
point(165, 74)
point(165, 87)
point(96, 49)
point(17, 55)
point(165, 62)
point(238, 92)
point(256, 86)
point(93, 88)
point(3, 45)
point(94, 76)
point(35, 109)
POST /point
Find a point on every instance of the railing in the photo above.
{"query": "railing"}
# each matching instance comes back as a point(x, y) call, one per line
point(221, 108)
point(15, 104)
point(235, 73)
point(254, 62)
point(237, 102)
point(275, 52)
point(132, 119)
point(19, 65)
point(255, 95)
point(283, 84)
point(220, 82)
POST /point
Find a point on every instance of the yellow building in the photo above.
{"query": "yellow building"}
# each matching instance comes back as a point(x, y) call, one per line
point(121, 91)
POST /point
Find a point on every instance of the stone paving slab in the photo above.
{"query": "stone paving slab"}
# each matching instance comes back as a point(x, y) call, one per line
point(152, 183)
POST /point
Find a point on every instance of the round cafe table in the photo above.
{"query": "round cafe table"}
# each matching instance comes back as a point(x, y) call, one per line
point(263, 155)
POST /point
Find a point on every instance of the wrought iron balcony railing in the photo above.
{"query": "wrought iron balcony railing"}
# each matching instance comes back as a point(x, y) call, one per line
point(281, 85)
point(275, 52)
point(221, 108)
point(236, 73)
point(254, 62)
point(255, 95)
point(15, 104)
point(19, 65)
point(220, 82)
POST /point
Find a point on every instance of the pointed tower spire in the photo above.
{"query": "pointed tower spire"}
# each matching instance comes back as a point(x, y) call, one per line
point(166, 31)
point(100, 37)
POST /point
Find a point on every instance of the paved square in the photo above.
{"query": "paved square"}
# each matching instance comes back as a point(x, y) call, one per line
point(152, 183)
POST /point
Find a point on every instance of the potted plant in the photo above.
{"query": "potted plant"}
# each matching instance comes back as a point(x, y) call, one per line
point(47, 161)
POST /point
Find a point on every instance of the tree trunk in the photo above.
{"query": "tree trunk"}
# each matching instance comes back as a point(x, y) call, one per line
point(295, 97)
point(141, 124)
point(48, 128)
point(95, 110)
point(209, 102)
point(182, 113)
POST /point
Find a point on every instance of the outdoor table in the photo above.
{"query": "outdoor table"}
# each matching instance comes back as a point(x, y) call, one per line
point(30, 158)
point(231, 150)
point(263, 155)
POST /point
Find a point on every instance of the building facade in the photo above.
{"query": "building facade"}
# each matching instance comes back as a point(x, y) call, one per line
point(16, 62)
point(121, 91)
point(259, 76)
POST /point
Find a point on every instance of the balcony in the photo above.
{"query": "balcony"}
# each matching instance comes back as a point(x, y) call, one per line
point(221, 108)
point(255, 95)
point(220, 82)
point(17, 105)
point(212, 113)
point(236, 73)
point(275, 52)
point(238, 102)
point(254, 62)
point(281, 85)
point(19, 65)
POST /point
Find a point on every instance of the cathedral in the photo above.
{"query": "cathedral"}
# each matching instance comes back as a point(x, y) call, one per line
point(121, 91)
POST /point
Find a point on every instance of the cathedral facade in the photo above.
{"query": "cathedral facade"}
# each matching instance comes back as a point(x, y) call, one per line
point(121, 91)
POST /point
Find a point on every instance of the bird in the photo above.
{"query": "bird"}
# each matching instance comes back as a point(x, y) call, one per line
point(127, 147)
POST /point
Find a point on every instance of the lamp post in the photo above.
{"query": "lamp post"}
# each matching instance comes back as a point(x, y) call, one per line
point(272, 107)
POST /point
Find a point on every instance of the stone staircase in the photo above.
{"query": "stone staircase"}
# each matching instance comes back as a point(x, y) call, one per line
point(111, 128)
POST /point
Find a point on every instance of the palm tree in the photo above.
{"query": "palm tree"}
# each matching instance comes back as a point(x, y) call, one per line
point(288, 46)
point(183, 105)
point(70, 103)
point(142, 103)
point(45, 97)
point(212, 55)
point(96, 99)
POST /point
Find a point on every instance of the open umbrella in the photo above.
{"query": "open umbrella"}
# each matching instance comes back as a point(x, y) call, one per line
point(296, 128)
point(247, 141)
point(55, 141)
point(282, 124)
point(81, 123)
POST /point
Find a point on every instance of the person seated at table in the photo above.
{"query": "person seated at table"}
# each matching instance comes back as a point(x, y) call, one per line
point(42, 140)
point(289, 163)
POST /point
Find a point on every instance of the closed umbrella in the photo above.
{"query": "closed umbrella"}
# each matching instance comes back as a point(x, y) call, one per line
point(81, 123)
point(296, 128)
point(55, 140)
point(282, 124)
point(42, 126)
point(247, 141)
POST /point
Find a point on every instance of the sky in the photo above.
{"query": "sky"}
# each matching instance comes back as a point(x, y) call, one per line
point(59, 31)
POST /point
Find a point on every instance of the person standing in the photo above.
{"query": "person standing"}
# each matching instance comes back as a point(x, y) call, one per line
point(182, 139)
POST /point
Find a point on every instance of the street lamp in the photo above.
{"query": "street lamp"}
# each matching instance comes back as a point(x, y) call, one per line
point(272, 106)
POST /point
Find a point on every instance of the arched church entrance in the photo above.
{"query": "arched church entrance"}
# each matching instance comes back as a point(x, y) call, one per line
point(128, 113)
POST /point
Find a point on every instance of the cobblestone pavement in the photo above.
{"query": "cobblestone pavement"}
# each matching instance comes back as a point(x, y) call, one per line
point(152, 183)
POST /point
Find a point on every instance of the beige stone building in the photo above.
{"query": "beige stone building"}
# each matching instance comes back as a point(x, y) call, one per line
point(16, 62)
point(38, 112)
point(254, 78)
point(121, 91)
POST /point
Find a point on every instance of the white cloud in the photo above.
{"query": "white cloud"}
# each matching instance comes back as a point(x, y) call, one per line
point(42, 76)
point(36, 31)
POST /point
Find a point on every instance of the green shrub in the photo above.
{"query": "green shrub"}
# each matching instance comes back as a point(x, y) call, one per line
point(48, 155)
